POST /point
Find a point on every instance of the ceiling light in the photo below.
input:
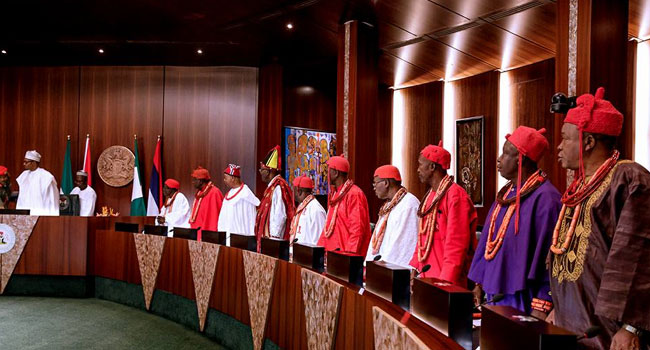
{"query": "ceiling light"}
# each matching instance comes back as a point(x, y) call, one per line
point(4, 52)
point(199, 51)
point(100, 50)
point(289, 26)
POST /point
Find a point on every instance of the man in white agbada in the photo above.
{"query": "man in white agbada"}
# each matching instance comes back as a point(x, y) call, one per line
point(87, 196)
point(38, 190)
point(176, 209)
point(309, 220)
point(239, 206)
point(396, 232)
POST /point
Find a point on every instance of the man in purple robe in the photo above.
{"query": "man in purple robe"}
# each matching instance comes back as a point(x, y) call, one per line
point(511, 254)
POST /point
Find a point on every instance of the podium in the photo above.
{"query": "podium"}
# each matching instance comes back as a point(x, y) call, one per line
point(505, 328)
point(391, 282)
point(185, 233)
point(155, 230)
point(445, 307)
point(309, 256)
point(275, 247)
point(216, 237)
point(243, 242)
point(127, 227)
point(346, 266)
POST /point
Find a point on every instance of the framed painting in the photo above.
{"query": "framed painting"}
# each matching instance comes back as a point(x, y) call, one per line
point(306, 152)
point(469, 157)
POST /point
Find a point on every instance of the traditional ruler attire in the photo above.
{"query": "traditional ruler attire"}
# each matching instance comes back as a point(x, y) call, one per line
point(38, 190)
point(309, 220)
point(277, 207)
point(207, 204)
point(396, 230)
point(511, 255)
point(176, 209)
point(87, 198)
point(600, 266)
point(5, 188)
point(348, 225)
point(239, 207)
point(447, 226)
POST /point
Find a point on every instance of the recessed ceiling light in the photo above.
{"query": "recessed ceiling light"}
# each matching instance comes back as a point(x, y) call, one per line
point(289, 25)
point(100, 50)
point(199, 51)
point(4, 52)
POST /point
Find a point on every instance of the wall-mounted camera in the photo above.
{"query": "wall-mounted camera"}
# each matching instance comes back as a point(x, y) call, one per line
point(561, 104)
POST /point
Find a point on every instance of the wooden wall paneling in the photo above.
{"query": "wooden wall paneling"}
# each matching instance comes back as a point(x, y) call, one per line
point(229, 291)
point(479, 96)
point(269, 117)
point(626, 140)
point(116, 257)
point(116, 103)
point(38, 106)
point(175, 274)
point(531, 89)
point(422, 126)
point(57, 246)
point(309, 107)
point(287, 324)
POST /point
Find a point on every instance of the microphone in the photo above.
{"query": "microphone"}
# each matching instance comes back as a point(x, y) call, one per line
point(495, 299)
point(294, 240)
point(425, 268)
point(377, 258)
point(590, 333)
point(337, 249)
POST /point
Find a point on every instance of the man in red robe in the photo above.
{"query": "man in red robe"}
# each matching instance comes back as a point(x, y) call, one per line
point(207, 202)
point(277, 206)
point(347, 226)
point(447, 225)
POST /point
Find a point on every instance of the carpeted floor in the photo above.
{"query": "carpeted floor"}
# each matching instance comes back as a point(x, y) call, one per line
point(56, 323)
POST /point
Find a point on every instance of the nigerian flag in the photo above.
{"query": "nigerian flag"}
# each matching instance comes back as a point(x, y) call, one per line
point(137, 199)
point(66, 177)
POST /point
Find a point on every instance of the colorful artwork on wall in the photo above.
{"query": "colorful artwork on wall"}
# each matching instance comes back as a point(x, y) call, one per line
point(469, 158)
point(306, 152)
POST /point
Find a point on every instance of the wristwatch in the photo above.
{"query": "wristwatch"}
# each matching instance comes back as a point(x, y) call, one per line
point(632, 330)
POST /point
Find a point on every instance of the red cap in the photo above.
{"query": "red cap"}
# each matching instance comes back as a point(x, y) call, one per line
point(201, 174)
point(303, 182)
point(233, 170)
point(437, 154)
point(388, 172)
point(171, 183)
point(596, 115)
point(3, 170)
point(339, 163)
point(529, 142)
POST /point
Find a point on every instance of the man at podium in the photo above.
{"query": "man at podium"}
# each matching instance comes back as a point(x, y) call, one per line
point(38, 189)
point(87, 195)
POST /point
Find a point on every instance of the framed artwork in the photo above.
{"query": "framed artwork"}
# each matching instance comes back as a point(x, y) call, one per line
point(469, 157)
point(306, 152)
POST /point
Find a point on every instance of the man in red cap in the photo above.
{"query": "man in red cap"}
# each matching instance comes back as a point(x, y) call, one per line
point(347, 227)
point(309, 220)
point(239, 206)
point(176, 209)
point(5, 189)
point(447, 226)
point(396, 231)
point(511, 256)
point(276, 207)
point(207, 202)
point(600, 261)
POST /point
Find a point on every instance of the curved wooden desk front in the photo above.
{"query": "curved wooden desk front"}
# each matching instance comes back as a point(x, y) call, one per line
point(93, 249)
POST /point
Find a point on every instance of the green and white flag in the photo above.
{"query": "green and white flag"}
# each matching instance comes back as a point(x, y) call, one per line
point(66, 177)
point(137, 199)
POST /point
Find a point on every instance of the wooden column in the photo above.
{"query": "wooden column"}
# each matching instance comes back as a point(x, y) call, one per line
point(592, 51)
point(358, 125)
point(269, 116)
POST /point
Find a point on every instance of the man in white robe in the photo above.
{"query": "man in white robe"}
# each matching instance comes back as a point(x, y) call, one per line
point(309, 220)
point(38, 190)
point(87, 196)
point(239, 206)
point(176, 209)
point(395, 235)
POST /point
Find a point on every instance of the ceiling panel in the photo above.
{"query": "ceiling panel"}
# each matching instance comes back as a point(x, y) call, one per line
point(496, 46)
point(536, 24)
point(399, 73)
point(389, 34)
point(416, 16)
point(639, 19)
point(441, 60)
point(473, 9)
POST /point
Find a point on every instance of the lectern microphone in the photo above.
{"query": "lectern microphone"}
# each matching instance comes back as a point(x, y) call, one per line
point(495, 299)
point(590, 332)
point(377, 258)
point(425, 268)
